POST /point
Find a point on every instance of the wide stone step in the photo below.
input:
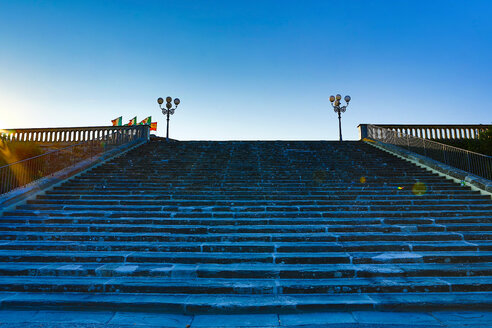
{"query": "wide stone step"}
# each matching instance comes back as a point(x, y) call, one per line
point(204, 203)
point(234, 304)
point(475, 236)
point(228, 257)
point(217, 221)
point(246, 225)
point(405, 224)
point(170, 257)
point(245, 270)
point(217, 226)
point(239, 237)
point(208, 178)
point(162, 285)
point(257, 208)
point(244, 247)
point(225, 229)
point(313, 185)
point(451, 189)
point(225, 200)
point(279, 214)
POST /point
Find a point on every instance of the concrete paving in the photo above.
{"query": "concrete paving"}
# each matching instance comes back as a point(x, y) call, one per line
point(356, 319)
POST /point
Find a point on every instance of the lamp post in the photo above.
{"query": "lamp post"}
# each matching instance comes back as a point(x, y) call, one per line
point(168, 110)
point(335, 103)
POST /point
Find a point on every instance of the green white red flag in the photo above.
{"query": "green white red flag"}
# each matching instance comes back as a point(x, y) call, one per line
point(133, 121)
point(117, 121)
point(146, 121)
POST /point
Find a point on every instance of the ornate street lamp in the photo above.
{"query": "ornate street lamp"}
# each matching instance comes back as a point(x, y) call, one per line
point(335, 103)
point(168, 110)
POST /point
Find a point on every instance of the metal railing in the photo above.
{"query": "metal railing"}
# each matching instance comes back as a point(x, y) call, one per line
point(21, 173)
point(465, 160)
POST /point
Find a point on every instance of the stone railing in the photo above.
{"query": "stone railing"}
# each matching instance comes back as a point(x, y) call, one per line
point(431, 131)
point(74, 135)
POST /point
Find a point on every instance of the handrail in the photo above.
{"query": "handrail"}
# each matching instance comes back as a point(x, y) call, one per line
point(21, 173)
point(465, 160)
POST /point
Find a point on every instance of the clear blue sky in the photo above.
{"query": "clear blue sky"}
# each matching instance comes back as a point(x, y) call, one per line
point(245, 69)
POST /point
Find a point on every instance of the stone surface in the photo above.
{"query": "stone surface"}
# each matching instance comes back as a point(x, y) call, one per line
point(150, 319)
point(358, 319)
point(17, 316)
point(464, 318)
point(410, 318)
point(305, 319)
point(240, 320)
point(72, 317)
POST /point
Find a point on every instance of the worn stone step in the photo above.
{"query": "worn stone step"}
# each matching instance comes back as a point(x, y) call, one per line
point(327, 197)
point(163, 285)
point(332, 214)
point(267, 176)
point(405, 224)
point(421, 257)
point(239, 237)
point(171, 257)
point(236, 304)
point(245, 271)
point(213, 221)
point(180, 192)
point(345, 232)
point(242, 247)
point(299, 203)
point(258, 208)
point(228, 257)
point(473, 236)
point(252, 188)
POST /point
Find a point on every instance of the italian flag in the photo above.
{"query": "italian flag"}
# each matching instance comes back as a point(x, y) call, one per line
point(153, 126)
point(133, 121)
point(146, 121)
point(117, 121)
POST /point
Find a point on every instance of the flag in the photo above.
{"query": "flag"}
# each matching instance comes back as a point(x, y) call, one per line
point(133, 121)
point(153, 126)
point(117, 121)
point(146, 121)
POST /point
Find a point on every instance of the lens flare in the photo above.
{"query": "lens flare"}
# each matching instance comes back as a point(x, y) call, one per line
point(362, 179)
point(419, 189)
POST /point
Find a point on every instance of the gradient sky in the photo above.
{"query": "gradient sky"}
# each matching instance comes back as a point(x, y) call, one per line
point(245, 69)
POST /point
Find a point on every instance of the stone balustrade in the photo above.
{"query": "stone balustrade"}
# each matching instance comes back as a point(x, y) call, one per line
point(75, 134)
point(432, 131)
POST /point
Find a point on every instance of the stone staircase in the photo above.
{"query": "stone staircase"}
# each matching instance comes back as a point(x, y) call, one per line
point(242, 227)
